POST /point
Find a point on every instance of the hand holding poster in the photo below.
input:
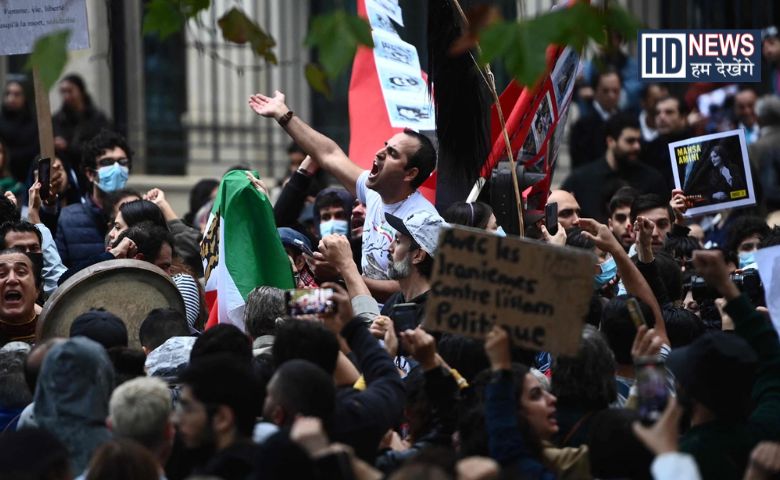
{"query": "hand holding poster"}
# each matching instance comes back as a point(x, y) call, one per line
point(713, 171)
point(539, 292)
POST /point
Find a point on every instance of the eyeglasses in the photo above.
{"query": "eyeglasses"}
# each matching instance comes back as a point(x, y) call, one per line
point(108, 161)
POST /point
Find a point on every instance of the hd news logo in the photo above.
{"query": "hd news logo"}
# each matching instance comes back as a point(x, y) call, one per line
point(700, 55)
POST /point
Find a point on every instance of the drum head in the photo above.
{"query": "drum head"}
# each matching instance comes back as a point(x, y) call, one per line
point(129, 289)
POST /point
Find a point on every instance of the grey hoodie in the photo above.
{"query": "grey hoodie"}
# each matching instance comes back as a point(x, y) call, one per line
point(71, 397)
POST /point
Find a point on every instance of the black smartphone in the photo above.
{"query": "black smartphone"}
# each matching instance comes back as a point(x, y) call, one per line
point(309, 301)
point(636, 313)
point(44, 176)
point(404, 316)
point(652, 394)
point(551, 218)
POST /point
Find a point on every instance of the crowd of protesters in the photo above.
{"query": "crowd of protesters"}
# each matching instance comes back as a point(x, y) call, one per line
point(363, 391)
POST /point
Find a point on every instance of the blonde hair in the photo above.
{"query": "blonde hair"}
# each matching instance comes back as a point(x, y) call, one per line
point(140, 410)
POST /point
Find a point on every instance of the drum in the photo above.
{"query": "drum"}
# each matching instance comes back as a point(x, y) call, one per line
point(128, 288)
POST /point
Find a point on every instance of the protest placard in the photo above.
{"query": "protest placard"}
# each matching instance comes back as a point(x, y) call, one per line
point(713, 171)
point(539, 292)
point(24, 21)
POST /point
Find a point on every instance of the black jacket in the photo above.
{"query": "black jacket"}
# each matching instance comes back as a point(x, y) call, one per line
point(362, 418)
point(19, 133)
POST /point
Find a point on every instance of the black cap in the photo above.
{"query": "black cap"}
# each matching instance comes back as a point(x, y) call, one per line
point(398, 224)
point(101, 326)
point(717, 370)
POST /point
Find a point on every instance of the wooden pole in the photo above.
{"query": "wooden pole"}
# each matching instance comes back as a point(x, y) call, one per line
point(490, 80)
point(43, 114)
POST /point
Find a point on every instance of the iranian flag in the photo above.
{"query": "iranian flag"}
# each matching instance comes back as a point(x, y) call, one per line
point(241, 250)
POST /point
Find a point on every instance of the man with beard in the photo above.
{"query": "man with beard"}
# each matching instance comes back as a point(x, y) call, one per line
point(391, 186)
point(594, 184)
point(215, 416)
point(671, 122)
point(410, 259)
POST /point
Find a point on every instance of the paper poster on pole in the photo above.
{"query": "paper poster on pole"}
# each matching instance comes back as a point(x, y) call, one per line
point(768, 260)
point(390, 8)
point(22, 22)
point(563, 76)
point(539, 292)
point(543, 119)
point(406, 97)
point(713, 171)
point(378, 18)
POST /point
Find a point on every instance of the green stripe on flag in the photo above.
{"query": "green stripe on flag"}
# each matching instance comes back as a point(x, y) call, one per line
point(255, 255)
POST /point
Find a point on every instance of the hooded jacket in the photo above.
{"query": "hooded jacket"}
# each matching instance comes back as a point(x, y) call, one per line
point(71, 397)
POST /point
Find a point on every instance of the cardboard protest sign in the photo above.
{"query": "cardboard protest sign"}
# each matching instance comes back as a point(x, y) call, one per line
point(539, 292)
point(24, 21)
point(713, 171)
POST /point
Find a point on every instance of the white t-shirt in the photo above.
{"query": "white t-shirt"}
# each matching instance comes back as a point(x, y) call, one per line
point(377, 233)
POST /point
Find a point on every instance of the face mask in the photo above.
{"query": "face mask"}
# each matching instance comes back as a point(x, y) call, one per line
point(608, 272)
point(500, 232)
point(112, 178)
point(746, 258)
point(339, 227)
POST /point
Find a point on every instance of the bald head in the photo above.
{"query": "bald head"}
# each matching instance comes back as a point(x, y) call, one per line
point(568, 208)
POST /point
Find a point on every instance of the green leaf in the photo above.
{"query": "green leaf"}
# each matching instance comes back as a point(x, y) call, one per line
point(522, 46)
point(238, 28)
point(621, 21)
point(317, 79)
point(49, 56)
point(336, 37)
point(497, 40)
point(190, 8)
point(163, 17)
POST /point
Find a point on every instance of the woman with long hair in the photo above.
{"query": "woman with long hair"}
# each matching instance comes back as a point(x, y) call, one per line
point(18, 128)
point(715, 176)
point(519, 412)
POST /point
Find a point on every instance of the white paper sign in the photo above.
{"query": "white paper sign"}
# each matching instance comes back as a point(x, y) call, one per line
point(713, 171)
point(22, 22)
point(768, 260)
point(406, 96)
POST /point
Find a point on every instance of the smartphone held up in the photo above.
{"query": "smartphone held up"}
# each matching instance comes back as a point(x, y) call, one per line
point(309, 301)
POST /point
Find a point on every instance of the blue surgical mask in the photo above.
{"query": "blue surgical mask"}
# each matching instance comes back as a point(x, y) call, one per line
point(608, 272)
point(500, 232)
point(112, 178)
point(746, 259)
point(339, 227)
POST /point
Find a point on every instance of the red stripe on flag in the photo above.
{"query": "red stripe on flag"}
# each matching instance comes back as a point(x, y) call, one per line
point(213, 308)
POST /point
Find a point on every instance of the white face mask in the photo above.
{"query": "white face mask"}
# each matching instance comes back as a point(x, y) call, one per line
point(500, 232)
point(339, 227)
point(112, 178)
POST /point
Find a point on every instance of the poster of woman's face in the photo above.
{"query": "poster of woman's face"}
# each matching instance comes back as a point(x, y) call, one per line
point(713, 171)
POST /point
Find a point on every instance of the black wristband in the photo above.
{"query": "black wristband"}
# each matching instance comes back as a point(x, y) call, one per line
point(285, 119)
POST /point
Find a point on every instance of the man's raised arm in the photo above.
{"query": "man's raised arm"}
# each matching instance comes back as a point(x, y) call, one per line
point(321, 148)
